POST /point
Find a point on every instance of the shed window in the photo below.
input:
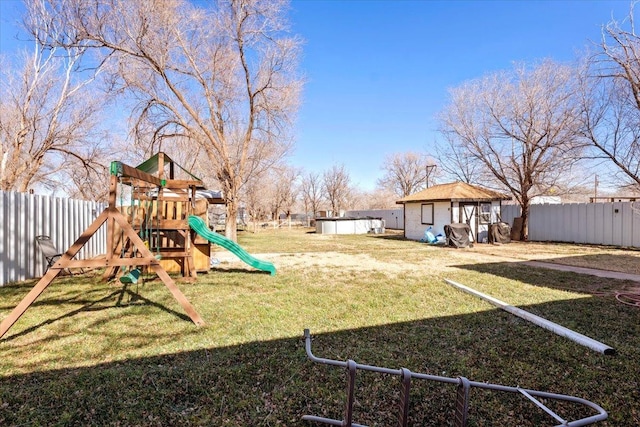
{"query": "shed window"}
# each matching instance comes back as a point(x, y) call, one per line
point(485, 213)
point(427, 213)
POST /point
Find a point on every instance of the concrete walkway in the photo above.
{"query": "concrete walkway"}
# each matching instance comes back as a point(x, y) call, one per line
point(584, 270)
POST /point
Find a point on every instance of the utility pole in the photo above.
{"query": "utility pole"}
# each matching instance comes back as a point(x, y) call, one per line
point(429, 170)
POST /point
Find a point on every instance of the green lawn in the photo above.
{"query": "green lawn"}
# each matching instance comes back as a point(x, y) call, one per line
point(90, 353)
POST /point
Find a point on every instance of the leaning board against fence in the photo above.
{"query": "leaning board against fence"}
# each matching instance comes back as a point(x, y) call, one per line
point(616, 223)
point(25, 216)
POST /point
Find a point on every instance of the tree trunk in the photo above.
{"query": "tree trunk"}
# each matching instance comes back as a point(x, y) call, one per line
point(231, 220)
point(524, 232)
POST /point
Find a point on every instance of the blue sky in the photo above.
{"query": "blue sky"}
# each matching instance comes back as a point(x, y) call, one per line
point(378, 71)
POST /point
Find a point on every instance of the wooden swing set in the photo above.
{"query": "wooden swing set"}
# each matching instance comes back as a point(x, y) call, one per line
point(126, 249)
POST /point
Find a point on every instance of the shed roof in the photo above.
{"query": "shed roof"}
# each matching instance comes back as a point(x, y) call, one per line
point(454, 191)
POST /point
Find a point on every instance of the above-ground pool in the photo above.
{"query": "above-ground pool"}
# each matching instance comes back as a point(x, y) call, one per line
point(349, 225)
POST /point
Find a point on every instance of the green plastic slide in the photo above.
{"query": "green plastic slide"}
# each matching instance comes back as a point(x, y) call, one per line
point(200, 227)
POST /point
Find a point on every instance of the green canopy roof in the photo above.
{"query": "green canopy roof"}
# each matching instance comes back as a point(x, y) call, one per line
point(152, 165)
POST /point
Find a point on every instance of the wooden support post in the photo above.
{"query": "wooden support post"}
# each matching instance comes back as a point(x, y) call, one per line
point(111, 229)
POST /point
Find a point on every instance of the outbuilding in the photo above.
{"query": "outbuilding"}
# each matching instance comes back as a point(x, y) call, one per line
point(456, 202)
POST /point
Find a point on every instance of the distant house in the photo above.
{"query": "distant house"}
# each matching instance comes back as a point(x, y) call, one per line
point(549, 200)
point(456, 202)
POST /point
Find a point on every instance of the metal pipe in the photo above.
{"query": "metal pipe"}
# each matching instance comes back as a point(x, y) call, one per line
point(462, 400)
point(539, 321)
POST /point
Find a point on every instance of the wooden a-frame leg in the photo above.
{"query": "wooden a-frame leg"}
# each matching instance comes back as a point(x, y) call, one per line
point(157, 268)
point(35, 292)
point(177, 294)
point(52, 273)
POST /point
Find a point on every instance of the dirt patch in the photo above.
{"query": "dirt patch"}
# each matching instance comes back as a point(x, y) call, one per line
point(601, 258)
point(329, 260)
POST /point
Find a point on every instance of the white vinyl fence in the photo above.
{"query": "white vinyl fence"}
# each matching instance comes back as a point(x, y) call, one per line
point(616, 224)
point(25, 216)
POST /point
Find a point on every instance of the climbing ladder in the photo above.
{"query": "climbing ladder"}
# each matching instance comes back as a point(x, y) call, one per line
point(462, 395)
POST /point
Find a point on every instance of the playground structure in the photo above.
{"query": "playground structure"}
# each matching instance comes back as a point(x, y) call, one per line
point(154, 235)
point(158, 209)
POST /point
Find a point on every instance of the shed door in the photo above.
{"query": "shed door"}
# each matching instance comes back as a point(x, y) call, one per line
point(468, 215)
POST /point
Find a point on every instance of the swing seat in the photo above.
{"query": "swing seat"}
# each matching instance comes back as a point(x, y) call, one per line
point(131, 277)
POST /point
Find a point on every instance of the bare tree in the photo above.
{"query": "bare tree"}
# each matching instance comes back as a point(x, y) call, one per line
point(224, 78)
point(407, 173)
point(357, 199)
point(49, 128)
point(611, 98)
point(286, 189)
point(89, 182)
point(380, 198)
point(457, 163)
point(255, 200)
point(272, 193)
point(522, 126)
point(280, 190)
point(312, 196)
point(336, 184)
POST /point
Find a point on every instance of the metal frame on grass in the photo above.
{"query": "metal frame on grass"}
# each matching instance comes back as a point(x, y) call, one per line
point(462, 395)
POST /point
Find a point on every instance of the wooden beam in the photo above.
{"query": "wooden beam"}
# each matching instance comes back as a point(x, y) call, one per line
point(171, 224)
point(115, 262)
point(161, 166)
point(173, 254)
point(26, 302)
point(184, 183)
point(131, 172)
point(216, 201)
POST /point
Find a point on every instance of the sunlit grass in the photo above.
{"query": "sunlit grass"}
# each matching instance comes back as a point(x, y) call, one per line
point(98, 353)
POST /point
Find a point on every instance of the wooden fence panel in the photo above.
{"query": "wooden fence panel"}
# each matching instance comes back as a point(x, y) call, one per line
point(25, 216)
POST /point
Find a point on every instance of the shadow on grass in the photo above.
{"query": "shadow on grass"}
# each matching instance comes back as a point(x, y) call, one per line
point(557, 279)
point(271, 383)
point(248, 270)
point(88, 305)
point(393, 236)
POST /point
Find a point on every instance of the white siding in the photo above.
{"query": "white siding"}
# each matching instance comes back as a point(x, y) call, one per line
point(414, 228)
